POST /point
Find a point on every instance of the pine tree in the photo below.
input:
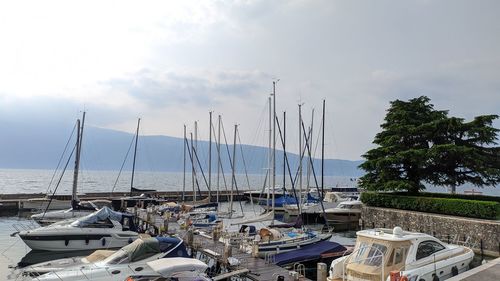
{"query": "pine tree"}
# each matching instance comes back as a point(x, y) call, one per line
point(420, 144)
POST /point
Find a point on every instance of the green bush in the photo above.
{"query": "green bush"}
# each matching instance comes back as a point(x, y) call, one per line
point(448, 206)
point(456, 196)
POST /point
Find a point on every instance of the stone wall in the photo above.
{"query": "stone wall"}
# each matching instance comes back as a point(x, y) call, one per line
point(482, 235)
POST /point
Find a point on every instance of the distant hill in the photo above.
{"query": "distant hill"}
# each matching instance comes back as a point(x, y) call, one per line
point(25, 145)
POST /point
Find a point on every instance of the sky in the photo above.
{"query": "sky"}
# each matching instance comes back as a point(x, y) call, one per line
point(172, 62)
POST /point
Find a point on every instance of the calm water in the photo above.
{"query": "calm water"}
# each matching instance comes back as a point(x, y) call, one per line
point(35, 181)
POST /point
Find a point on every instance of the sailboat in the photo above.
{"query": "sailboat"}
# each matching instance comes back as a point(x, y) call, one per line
point(77, 209)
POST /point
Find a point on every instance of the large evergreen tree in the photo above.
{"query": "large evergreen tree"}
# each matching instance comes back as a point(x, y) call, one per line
point(464, 152)
point(419, 143)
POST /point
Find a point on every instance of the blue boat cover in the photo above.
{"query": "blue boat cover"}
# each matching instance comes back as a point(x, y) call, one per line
point(309, 252)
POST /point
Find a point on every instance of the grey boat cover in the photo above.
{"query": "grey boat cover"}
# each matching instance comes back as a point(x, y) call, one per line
point(101, 215)
point(142, 248)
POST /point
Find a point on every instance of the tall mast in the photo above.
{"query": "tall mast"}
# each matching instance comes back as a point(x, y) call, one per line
point(210, 160)
point(74, 199)
point(269, 164)
point(218, 157)
point(274, 143)
point(193, 170)
point(184, 163)
point(284, 151)
point(135, 154)
point(322, 152)
point(233, 179)
point(300, 156)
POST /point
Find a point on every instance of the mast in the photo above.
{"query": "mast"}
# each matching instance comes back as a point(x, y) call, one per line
point(184, 172)
point(274, 143)
point(218, 157)
point(74, 199)
point(284, 151)
point(135, 154)
point(323, 152)
point(300, 156)
point(233, 179)
point(269, 159)
point(210, 160)
point(310, 162)
point(193, 170)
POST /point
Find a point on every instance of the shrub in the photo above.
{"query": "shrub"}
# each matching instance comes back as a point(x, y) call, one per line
point(448, 206)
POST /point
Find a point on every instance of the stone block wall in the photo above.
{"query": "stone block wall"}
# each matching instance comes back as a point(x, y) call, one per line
point(482, 235)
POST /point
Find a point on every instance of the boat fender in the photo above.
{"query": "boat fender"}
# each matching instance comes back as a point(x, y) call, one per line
point(87, 241)
point(435, 277)
point(403, 278)
point(130, 240)
point(454, 271)
point(66, 242)
point(103, 241)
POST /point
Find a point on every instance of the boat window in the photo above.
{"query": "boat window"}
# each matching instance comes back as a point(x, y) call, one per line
point(375, 255)
point(397, 256)
point(428, 248)
point(361, 252)
point(100, 224)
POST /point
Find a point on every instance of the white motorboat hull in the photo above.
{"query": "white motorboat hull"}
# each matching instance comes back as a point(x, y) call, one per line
point(78, 242)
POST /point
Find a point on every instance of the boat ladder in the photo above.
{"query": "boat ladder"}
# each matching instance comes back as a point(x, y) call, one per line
point(300, 268)
point(270, 258)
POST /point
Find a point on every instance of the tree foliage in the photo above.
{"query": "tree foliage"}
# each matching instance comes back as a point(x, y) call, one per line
point(420, 144)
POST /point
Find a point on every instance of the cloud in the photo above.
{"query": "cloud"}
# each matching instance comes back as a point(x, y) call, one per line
point(159, 89)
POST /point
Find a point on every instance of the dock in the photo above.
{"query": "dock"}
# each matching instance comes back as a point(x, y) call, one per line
point(18, 202)
point(203, 244)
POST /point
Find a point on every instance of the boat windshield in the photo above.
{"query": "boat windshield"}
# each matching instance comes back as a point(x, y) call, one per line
point(370, 254)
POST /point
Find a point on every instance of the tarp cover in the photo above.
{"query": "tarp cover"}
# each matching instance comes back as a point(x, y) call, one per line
point(309, 252)
point(100, 215)
point(142, 248)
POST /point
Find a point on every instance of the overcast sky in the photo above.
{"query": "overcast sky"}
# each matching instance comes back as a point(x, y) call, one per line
point(171, 62)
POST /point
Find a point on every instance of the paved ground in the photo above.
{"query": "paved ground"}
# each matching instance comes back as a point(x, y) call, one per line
point(486, 272)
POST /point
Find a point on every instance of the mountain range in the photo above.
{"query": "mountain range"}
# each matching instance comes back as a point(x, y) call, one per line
point(26, 145)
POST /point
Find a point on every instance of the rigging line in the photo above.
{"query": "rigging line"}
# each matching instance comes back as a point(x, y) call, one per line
point(246, 170)
point(201, 169)
point(123, 164)
point(58, 182)
point(60, 159)
point(220, 162)
point(191, 158)
point(230, 162)
point(313, 171)
point(287, 164)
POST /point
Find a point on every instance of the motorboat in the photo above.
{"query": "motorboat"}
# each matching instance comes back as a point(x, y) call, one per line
point(383, 253)
point(81, 209)
point(102, 229)
point(177, 267)
point(133, 255)
point(347, 213)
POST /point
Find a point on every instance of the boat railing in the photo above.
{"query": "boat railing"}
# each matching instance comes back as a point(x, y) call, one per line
point(270, 258)
point(24, 227)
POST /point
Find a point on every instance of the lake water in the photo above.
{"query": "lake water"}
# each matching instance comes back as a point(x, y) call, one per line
point(36, 181)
